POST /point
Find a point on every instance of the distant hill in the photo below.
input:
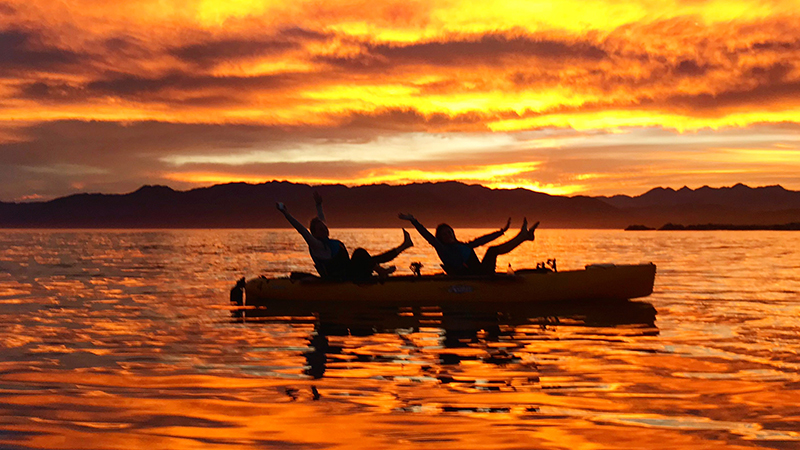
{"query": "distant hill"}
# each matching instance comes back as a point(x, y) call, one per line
point(740, 196)
point(240, 205)
point(736, 205)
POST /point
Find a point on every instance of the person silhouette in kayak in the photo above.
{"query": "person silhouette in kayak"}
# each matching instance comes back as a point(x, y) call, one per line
point(330, 255)
point(459, 258)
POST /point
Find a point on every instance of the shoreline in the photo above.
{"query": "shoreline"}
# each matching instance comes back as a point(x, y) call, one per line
point(793, 226)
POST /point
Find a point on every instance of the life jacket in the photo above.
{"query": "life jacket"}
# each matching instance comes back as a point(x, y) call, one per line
point(459, 259)
point(335, 267)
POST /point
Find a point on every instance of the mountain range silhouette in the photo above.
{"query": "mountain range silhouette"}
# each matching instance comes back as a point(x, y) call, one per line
point(241, 205)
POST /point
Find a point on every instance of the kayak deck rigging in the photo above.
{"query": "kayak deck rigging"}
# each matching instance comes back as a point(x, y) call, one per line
point(595, 282)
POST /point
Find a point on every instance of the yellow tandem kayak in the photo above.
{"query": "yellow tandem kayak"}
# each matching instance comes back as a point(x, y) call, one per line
point(595, 282)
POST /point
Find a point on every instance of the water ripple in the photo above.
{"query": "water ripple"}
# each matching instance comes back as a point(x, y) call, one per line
point(119, 339)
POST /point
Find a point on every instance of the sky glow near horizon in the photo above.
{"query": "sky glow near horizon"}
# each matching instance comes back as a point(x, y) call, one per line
point(565, 97)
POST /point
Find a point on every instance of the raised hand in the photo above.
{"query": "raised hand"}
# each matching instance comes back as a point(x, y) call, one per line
point(508, 224)
point(317, 198)
point(406, 216)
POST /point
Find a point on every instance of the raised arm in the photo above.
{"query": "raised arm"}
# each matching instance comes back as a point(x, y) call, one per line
point(422, 230)
point(485, 239)
point(318, 202)
point(313, 243)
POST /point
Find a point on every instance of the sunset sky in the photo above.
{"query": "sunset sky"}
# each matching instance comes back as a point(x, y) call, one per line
point(564, 97)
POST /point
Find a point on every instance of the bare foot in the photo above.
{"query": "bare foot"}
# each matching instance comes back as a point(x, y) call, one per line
point(508, 224)
point(407, 242)
point(384, 272)
point(530, 236)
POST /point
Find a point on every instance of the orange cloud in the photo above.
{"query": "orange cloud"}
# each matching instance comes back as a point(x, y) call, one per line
point(697, 64)
point(316, 69)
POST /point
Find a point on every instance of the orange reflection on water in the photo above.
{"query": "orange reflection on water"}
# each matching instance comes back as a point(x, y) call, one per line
point(115, 339)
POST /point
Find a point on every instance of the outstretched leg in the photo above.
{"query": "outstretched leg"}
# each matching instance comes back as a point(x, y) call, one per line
point(362, 264)
point(393, 253)
point(490, 258)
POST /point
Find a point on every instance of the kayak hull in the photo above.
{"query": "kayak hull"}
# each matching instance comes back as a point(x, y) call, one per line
point(600, 282)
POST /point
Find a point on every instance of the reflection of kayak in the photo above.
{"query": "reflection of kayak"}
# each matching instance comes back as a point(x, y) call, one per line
point(636, 316)
point(596, 282)
point(359, 320)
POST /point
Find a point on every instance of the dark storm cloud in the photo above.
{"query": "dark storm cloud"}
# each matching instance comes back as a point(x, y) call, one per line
point(210, 51)
point(214, 52)
point(409, 120)
point(131, 85)
point(762, 95)
point(533, 78)
point(22, 50)
point(773, 93)
point(304, 34)
point(129, 47)
point(51, 92)
point(691, 68)
point(177, 87)
point(776, 46)
point(6, 9)
point(208, 101)
point(488, 49)
point(773, 74)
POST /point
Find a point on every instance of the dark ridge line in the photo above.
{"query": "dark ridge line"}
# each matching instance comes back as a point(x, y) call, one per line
point(793, 226)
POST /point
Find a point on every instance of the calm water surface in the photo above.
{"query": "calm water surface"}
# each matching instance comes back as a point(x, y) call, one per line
point(124, 339)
